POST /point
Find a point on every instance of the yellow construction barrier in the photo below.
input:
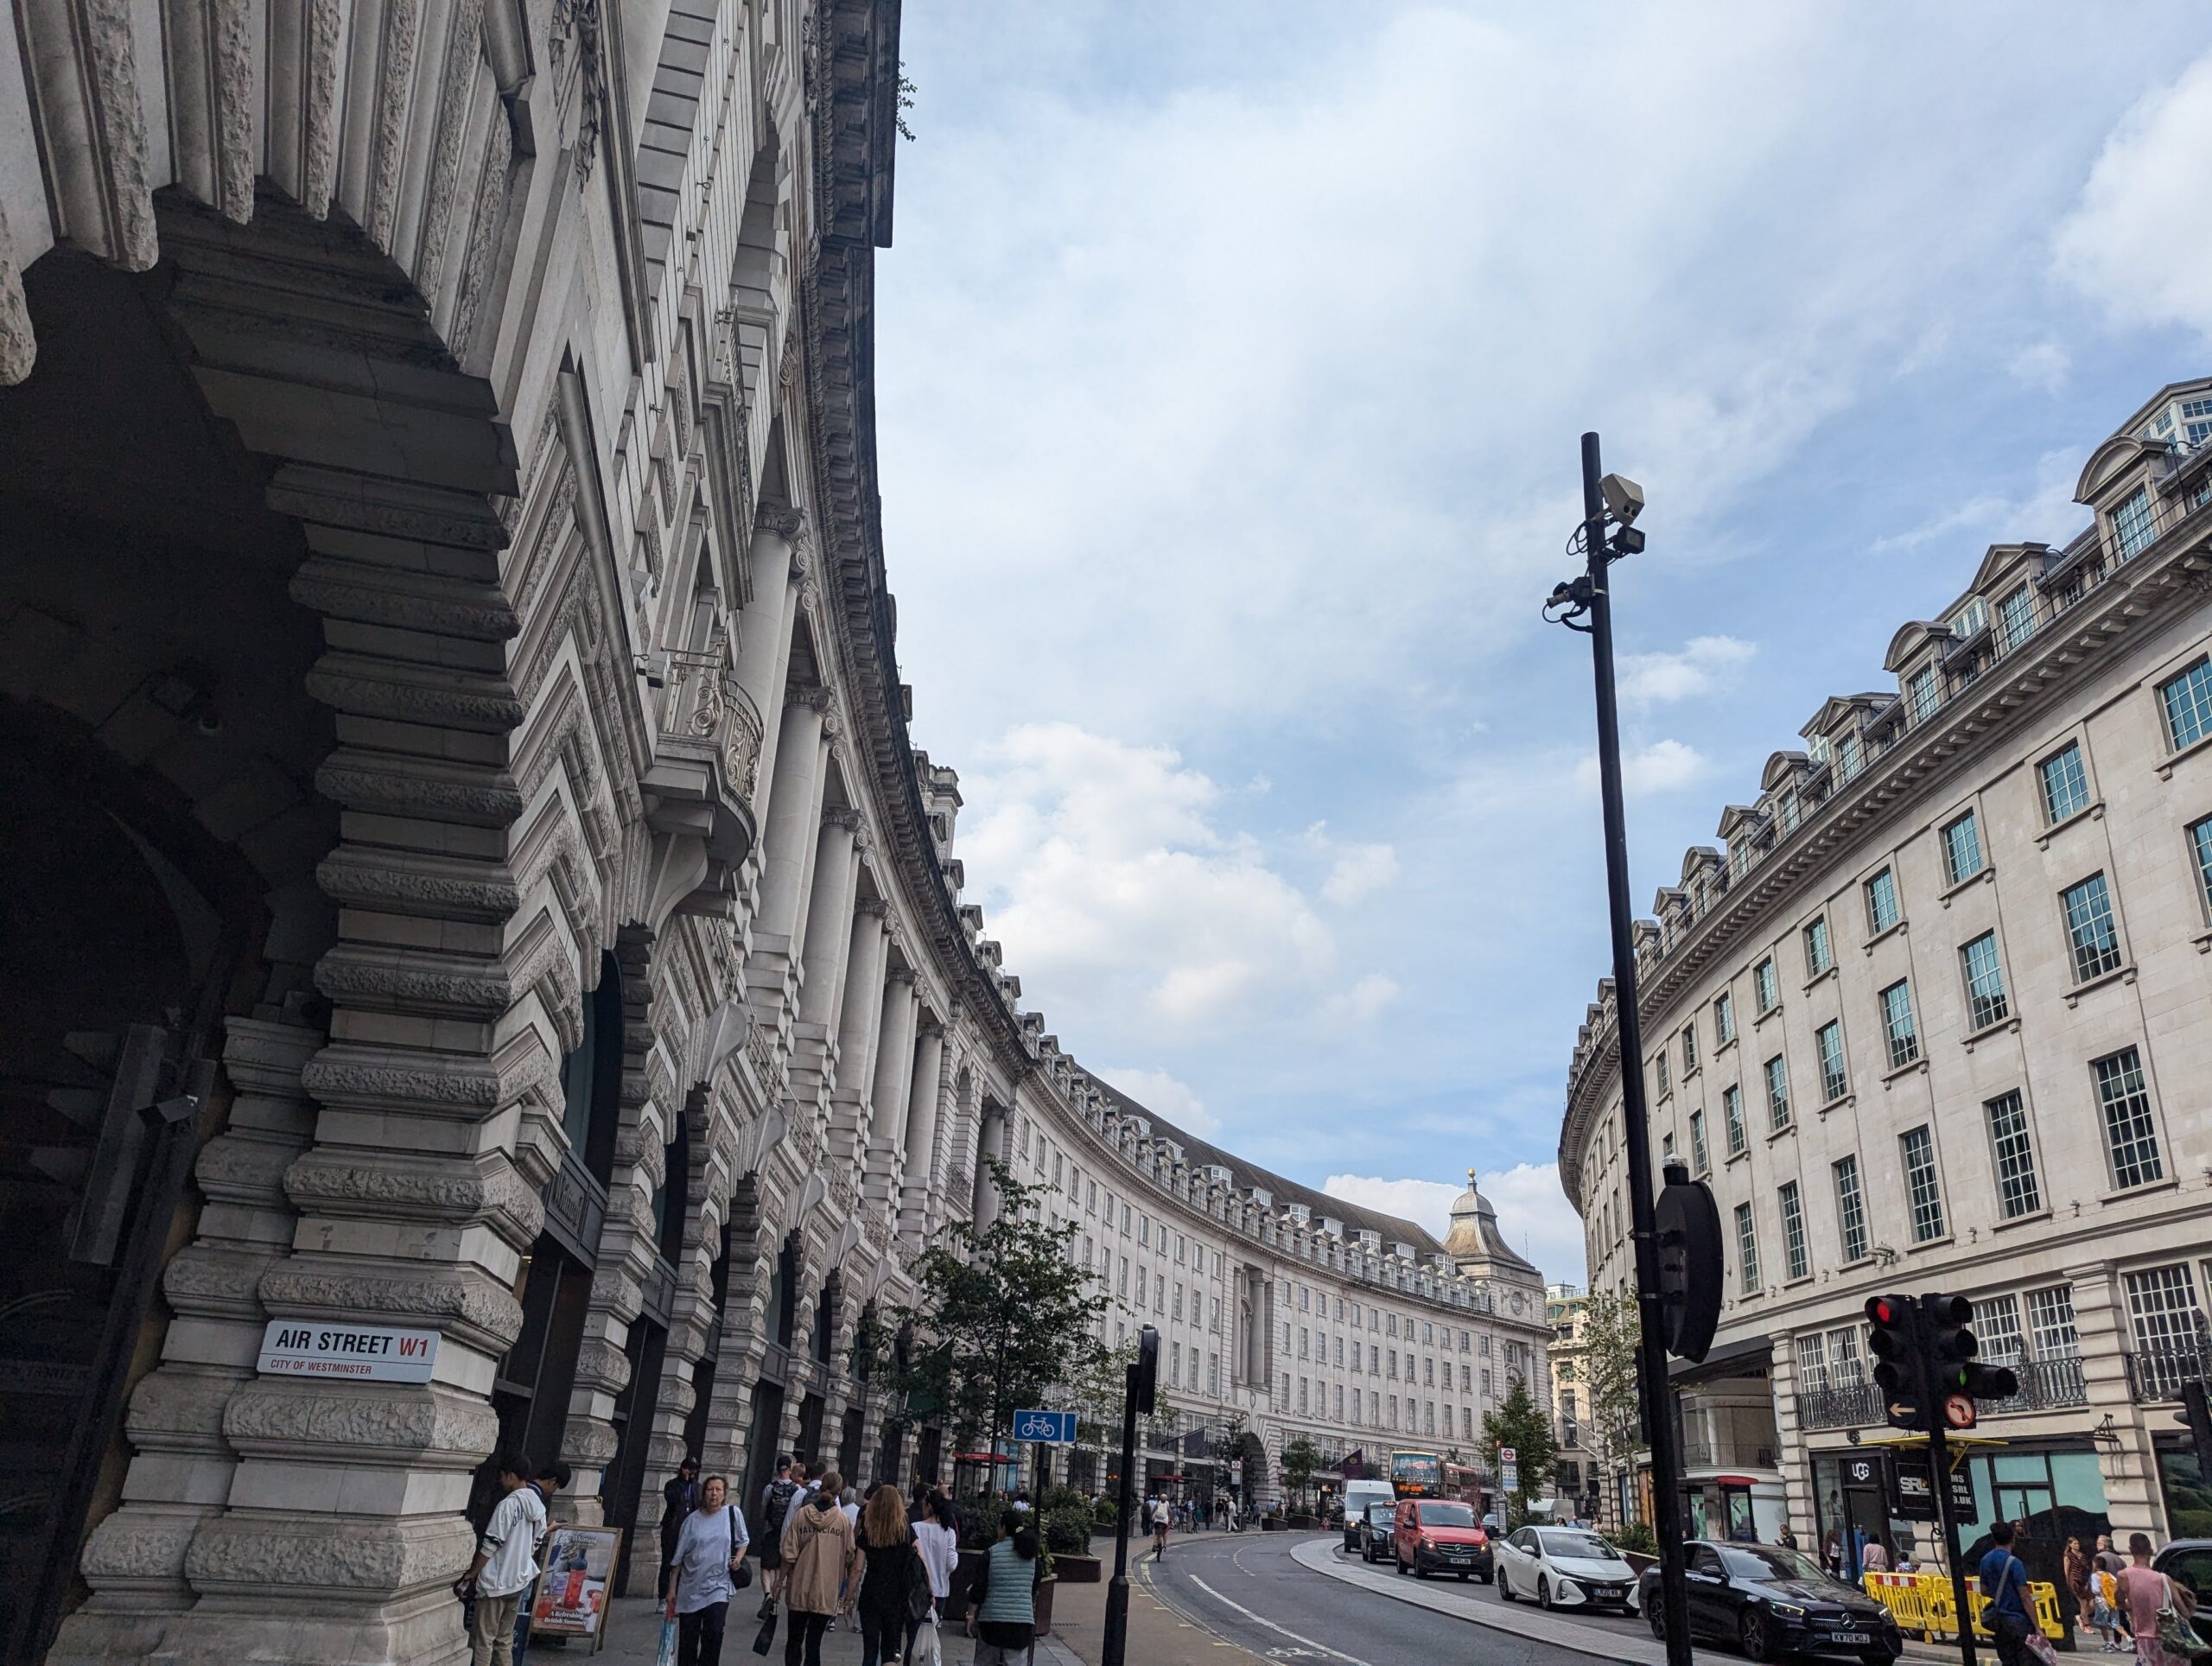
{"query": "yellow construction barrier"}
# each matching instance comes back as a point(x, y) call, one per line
point(1921, 1604)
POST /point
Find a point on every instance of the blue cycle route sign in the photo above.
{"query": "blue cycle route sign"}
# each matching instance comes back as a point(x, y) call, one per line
point(1050, 1429)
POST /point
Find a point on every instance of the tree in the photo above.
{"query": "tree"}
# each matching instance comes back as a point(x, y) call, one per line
point(1300, 1459)
point(1526, 1427)
point(1611, 1332)
point(1007, 1313)
point(1099, 1386)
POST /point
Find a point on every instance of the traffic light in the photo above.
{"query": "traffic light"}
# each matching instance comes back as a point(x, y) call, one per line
point(1895, 1344)
point(1961, 1380)
point(1144, 1373)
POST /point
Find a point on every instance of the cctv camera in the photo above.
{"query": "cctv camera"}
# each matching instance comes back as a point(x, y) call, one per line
point(1624, 497)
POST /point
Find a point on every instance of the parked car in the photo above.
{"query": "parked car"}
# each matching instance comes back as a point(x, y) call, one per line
point(1564, 1567)
point(1375, 1532)
point(1361, 1493)
point(1440, 1536)
point(2189, 1561)
point(1772, 1603)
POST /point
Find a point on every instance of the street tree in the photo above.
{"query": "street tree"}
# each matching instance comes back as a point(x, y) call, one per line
point(1611, 1334)
point(1521, 1423)
point(1004, 1313)
point(1300, 1459)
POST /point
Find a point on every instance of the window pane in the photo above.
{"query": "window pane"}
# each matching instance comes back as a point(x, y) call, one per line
point(2162, 1307)
point(2200, 845)
point(1922, 1188)
point(1732, 1107)
point(1997, 1329)
point(1986, 1000)
point(1817, 958)
point(1962, 848)
point(1778, 1092)
point(1697, 1142)
point(1920, 693)
point(2130, 523)
point(2188, 704)
point(1835, 1082)
point(1766, 985)
point(1747, 1250)
point(1724, 1021)
point(1881, 902)
point(1896, 1020)
point(2130, 1137)
point(2051, 1323)
point(1794, 1253)
point(1850, 1209)
point(2018, 1193)
point(1689, 1049)
point(2065, 785)
point(2016, 619)
point(2090, 929)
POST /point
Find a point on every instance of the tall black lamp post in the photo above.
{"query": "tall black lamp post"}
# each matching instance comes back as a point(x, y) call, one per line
point(1609, 507)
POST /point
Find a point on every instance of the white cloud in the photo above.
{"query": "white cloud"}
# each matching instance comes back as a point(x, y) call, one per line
point(1705, 664)
point(2139, 241)
point(1363, 1002)
point(2045, 511)
point(1107, 880)
point(1662, 767)
point(1157, 1090)
point(1360, 871)
point(1426, 1204)
point(1533, 1214)
point(2045, 366)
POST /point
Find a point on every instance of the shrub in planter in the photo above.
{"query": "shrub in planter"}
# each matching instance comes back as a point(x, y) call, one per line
point(1067, 1529)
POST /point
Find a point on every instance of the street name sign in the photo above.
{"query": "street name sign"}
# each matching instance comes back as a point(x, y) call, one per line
point(1044, 1428)
point(371, 1353)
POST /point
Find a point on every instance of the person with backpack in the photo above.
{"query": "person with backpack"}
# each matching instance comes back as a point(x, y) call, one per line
point(2010, 1614)
point(1162, 1515)
point(709, 1551)
point(2155, 1606)
point(776, 1500)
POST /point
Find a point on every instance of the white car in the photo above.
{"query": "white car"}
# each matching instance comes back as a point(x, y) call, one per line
point(1564, 1567)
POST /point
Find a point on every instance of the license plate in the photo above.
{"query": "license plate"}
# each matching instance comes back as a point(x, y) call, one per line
point(1852, 1639)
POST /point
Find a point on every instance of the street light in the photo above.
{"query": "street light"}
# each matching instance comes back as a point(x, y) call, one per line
point(1610, 503)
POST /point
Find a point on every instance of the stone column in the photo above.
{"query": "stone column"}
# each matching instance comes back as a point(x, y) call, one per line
point(921, 1129)
point(787, 846)
point(861, 1009)
point(829, 918)
point(992, 1144)
point(894, 1076)
point(765, 625)
point(2133, 1497)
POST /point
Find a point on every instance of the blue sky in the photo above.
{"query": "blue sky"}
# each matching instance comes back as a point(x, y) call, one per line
point(1230, 365)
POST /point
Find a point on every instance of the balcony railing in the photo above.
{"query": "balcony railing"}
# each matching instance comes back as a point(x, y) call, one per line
point(2045, 1385)
point(2158, 1373)
point(1842, 1406)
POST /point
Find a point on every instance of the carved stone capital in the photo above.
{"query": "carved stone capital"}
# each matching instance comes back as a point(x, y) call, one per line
point(838, 816)
point(905, 974)
point(781, 518)
point(873, 908)
point(817, 695)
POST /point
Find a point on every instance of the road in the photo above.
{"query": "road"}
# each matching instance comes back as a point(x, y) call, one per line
point(1247, 1592)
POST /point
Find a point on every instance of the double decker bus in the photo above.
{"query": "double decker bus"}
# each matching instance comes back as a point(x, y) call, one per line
point(1416, 1474)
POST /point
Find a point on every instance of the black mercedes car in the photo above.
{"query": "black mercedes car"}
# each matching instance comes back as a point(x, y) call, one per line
point(1773, 1603)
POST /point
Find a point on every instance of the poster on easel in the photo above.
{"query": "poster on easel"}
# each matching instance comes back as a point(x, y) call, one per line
point(572, 1590)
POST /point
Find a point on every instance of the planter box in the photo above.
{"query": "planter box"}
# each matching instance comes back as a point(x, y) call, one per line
point(1271, 1524)
point(1043, 1600)
point(1077, 1570)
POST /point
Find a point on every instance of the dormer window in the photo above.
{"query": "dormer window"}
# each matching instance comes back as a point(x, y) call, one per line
point(1849, 760)
point(1921, 694)
point(2197, 420)
point(1970, 620)
point(2016, 619)
point(2131, 531)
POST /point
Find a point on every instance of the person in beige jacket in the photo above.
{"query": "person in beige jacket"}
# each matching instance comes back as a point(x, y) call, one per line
point(820, 1563)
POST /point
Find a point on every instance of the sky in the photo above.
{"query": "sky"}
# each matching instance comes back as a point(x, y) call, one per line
point(1230, 364)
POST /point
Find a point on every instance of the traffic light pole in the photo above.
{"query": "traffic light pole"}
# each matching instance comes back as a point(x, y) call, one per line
point(1933, 1393)
point(1114, 1642)
point(1658, 1423)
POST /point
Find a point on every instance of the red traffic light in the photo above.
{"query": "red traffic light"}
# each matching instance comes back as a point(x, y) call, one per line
point(1881, 1310)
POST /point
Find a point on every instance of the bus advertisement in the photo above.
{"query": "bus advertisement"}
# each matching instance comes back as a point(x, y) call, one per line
point(1416, 1474)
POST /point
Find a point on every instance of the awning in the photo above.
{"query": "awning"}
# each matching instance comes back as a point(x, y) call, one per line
point(1732, 1360)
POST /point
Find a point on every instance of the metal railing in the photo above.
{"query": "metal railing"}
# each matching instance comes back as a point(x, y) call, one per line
point(1839, 1406)
point(704, 706)
point(2158, 1373)
point(2045, 1385)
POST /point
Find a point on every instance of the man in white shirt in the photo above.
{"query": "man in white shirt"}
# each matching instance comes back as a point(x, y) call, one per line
point(506, 1563)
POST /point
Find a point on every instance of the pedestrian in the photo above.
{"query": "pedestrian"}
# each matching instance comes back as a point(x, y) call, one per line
point(704, 1560)
point(776, 1500)
point(505, 1564)
point(1832, 1552)
point(2109, 1561)
point(2010, 1614)
point(549, 1479)
point(1003, 1620)
point(937, 1541)
point(678, 1499)
point(1786, 1539)
point(820, 1559)
point(890, 1569)
point(1875, 1559)
point(813, 1473)
point(2144, 1594)
point(1161, 1518)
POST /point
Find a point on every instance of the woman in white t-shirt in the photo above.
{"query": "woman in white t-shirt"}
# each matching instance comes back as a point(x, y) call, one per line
point(708, 1550)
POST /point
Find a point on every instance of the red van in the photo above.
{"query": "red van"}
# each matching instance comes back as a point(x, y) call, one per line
point(1441, 1535)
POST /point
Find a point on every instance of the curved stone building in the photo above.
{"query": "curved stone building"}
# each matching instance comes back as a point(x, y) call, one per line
point(486, 962)
point(1937, 1016)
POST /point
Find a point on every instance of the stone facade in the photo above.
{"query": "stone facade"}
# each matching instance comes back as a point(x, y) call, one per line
point(1938, 1018)
point(471, 873)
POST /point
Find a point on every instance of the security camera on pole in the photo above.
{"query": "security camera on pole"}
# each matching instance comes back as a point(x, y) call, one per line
point(1676, 1236)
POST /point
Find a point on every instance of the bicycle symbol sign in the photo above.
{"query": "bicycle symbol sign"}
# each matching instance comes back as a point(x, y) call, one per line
point(1052, 1428)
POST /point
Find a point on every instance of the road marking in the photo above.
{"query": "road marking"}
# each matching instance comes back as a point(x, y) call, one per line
point(1260, 1620)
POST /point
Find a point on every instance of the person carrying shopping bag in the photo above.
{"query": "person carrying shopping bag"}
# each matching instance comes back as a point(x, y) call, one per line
point(937, 1543)
point(707, 1566)
point(2157, 1609)
point(819, 1559)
